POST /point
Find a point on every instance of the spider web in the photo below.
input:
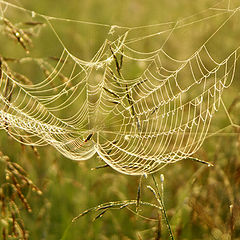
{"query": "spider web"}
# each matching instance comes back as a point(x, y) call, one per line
point(133, 104)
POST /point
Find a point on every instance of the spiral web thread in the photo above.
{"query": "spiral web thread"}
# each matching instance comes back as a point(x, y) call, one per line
point(136, 125)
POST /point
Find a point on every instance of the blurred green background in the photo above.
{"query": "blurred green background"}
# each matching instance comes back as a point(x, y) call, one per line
point(201, 202)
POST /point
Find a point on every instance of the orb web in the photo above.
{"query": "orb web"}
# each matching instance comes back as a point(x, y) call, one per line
point(133, 104)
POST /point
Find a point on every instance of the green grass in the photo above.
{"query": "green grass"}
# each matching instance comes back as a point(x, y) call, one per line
point(197, 198)
point(201, 202)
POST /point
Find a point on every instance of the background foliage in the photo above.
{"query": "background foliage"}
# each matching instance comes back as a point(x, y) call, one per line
point(201, 202)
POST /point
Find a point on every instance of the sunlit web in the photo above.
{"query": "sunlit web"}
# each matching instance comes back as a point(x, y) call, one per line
point(134, 104)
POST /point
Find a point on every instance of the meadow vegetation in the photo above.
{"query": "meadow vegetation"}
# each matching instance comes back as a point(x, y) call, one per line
point(41, 191)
